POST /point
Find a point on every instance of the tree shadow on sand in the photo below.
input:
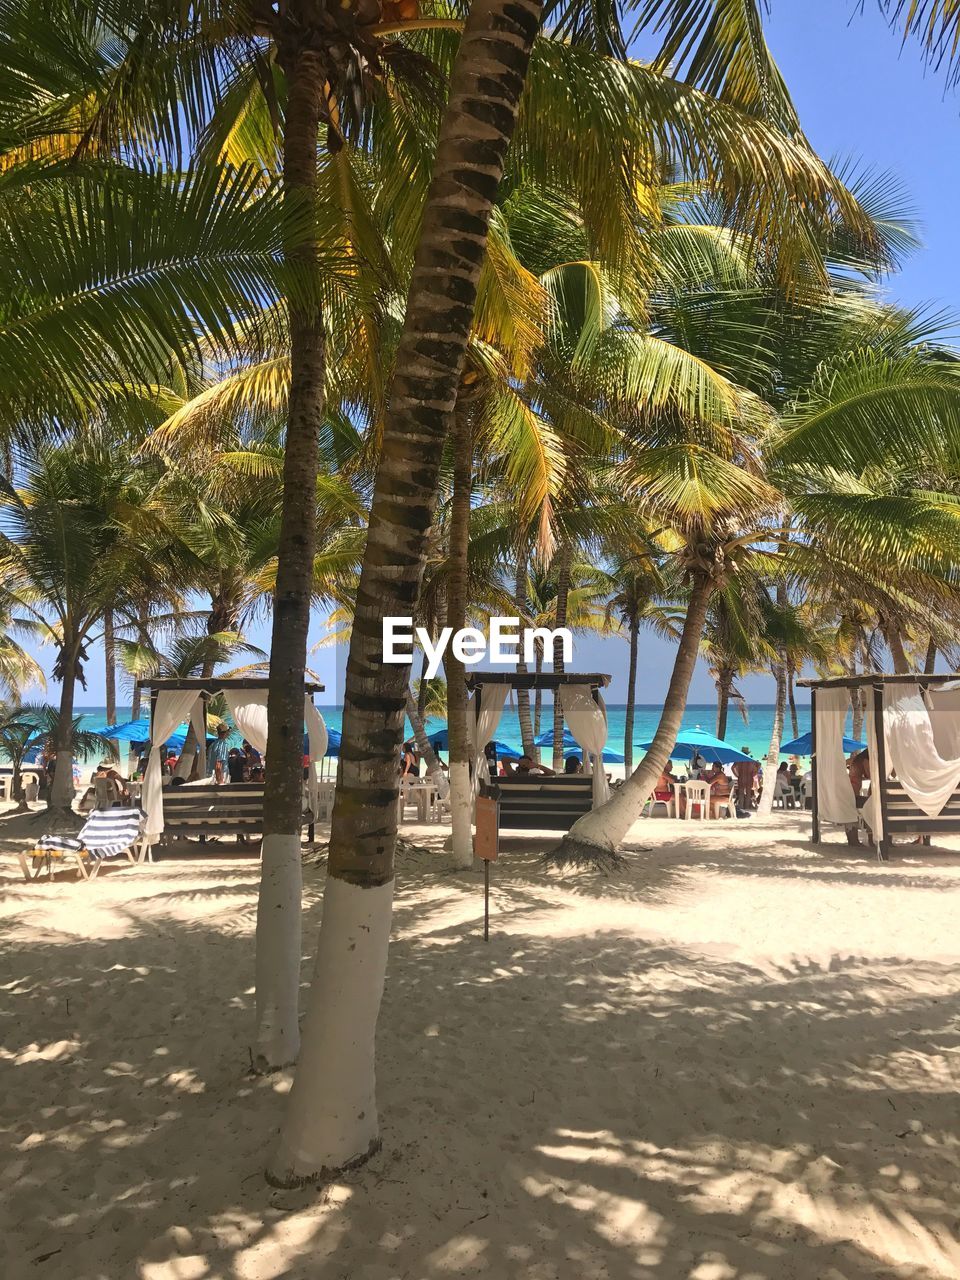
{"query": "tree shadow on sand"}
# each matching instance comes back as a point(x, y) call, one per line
point(567, 1107)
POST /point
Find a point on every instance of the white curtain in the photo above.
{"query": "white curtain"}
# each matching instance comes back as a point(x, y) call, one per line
point(483, 726)
point(928, 778)
point(587, 718)
point(172, 706)
point(318, 738)
point(248, 707)
point(835, 800)
point(943, 704)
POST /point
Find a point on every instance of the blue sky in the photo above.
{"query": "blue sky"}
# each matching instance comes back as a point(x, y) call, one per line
point(858, 94)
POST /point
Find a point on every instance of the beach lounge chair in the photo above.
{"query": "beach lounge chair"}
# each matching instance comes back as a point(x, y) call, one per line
point(107, 833)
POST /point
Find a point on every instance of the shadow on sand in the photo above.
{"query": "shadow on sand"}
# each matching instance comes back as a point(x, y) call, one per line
point(569, 1107)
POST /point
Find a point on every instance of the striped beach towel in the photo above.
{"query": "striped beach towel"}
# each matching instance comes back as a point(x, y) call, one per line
point(106, 834)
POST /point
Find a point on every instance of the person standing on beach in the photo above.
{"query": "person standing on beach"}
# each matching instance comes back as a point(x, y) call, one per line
point(745, 772)
point(858, 771)
point(220, 755)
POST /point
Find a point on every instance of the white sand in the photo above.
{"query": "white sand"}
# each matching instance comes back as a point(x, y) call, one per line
point(736, 1060)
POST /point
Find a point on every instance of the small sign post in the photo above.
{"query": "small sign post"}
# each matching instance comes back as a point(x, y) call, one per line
point(486, 846)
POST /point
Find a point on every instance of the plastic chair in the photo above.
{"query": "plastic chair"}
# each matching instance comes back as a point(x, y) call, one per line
point(721, 804)
point(666, 805)
point(697, 793)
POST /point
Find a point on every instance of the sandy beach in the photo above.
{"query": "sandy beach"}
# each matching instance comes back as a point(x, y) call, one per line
point(737, 1058)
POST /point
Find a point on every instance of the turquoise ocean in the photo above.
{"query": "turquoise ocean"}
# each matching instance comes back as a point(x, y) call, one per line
point(755, 734)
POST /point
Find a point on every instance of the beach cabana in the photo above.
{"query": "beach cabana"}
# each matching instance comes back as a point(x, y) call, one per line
point(697, 742)
point(534, 801)
point(202, 808)
point(583, 709)
point(913, 740)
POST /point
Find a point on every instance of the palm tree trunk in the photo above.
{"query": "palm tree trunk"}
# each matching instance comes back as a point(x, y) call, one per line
point(594, 838)
point(278, 906)
point(110, 674)
point(527, 732)
point(143, 635)
point(792, 701)
point(538, 696)
point(564, 559)
point(423, 689)
point(765, 803)
point(17, 790)
point(461, 793)
point(631, 699)
point(930, 661)
point(891, 631)
point(724, 686)
point(60, 800)
point(423, 742)
point(331, 1118)
point(857, 699)
point(110, 667)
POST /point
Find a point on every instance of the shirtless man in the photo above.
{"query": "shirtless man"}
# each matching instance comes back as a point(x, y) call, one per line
point(745, 772)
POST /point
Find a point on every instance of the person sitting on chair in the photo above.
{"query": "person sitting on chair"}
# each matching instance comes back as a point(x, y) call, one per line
point(720, 787)
point(573, 764)
point(527, 765)
point(663, 791)
point(236, 765)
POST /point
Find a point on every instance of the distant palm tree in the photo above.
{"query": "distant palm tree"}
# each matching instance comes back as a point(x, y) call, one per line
point(639, 600)
point(34, 726)
point(81, 534)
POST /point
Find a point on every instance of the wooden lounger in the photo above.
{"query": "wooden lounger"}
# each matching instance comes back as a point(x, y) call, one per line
point(202, 810)
point(532, 801)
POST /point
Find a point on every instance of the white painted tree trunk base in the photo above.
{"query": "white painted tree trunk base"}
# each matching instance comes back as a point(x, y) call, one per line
point(331, 1119)
point(279, 950)
point(461, 813)
point(594, 839)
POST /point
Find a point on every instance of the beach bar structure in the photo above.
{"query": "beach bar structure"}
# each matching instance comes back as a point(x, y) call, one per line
point(201, 808)
point(534, 801)
point(912, 729)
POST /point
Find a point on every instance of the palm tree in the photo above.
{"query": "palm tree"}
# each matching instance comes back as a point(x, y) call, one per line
point(18, 670)
point(726, 139)
point(80, 535)
point(424, 393)
point(18, 734)
point(637, 601)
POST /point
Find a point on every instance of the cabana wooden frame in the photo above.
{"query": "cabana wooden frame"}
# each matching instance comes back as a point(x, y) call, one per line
point(206, 809)
point(551, 803)
point(898, 814)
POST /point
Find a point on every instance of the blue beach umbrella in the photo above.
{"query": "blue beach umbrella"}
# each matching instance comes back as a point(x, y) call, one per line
point(138, 733)
point(803, 745)
point(333, 743)
point(697, 742)
point(569, 741)
point(570, 744)
point(130, 731)
point(440, 741)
